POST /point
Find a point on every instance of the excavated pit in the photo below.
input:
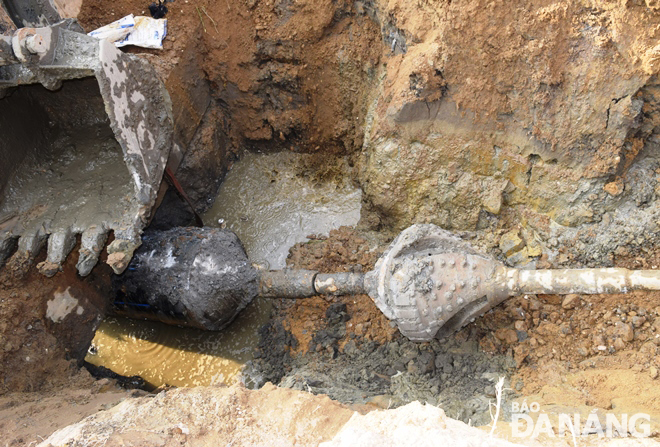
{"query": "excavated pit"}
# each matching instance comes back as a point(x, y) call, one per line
point(271, 201)
point(528, 129)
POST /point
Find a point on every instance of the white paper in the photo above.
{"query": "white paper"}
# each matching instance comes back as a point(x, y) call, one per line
point(115, 31)
point(140, 31)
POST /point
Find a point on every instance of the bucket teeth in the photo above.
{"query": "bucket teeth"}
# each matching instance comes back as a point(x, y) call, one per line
point(7, 246)
point(60, 245)
point(92, 242)
point(120, 252)
point(98, 164)
point(30, 243)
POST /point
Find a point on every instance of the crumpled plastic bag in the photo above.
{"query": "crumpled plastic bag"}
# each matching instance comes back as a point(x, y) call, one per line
point(140, 31)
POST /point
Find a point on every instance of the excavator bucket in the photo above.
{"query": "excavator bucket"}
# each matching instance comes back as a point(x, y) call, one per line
point(85, 134)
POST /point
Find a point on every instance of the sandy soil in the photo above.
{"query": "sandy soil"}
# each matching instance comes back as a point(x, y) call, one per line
point(271, 416)
point(28, 418)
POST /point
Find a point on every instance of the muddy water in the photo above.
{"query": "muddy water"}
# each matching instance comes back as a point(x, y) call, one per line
point(167, 355)
point(271, 204)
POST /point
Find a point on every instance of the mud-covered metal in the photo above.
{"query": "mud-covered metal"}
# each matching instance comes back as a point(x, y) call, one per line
point(430, 279)
point(339, 283)
point(431, 283)
point(198, 277)
point(95, 172)
point(202, 278)
point(290, 283)
point(287, 283)
point(26, 13)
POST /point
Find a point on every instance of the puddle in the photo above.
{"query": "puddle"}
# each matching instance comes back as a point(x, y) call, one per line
point(169, 355)
point(271, 204)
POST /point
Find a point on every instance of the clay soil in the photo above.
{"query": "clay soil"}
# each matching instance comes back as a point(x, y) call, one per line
point(579, 352)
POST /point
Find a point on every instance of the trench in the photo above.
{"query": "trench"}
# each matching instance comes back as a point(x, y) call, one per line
point(587, 355)
point(271, 202)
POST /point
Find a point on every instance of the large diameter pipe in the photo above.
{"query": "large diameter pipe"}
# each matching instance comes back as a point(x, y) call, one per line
point(202, 277)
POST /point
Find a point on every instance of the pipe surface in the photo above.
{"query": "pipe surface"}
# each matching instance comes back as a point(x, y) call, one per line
point(307, 283)
point(585, 281)
point(339, 283)
point(287, 283)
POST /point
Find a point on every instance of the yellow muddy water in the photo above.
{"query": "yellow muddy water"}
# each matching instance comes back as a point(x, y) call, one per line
point(268, 203)
point(168, 355)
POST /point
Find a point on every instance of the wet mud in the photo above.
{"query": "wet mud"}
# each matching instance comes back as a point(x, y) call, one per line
point(345, 348)
point(271, 201)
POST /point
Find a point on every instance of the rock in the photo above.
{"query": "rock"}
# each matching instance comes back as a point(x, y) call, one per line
point(614, 188)
point(649, 349)
point(520, 258)
point(520, 353)
point(653, 372)
point(511, 243)
point(570, 301)
point(598, 340)
point(656, 324)
point(552, 299)
point(426, 362)
point(398, 367)
point(549, 329)
point(619, 344)
point(337, 313)
point(350, 349)
point(517, 313)
point(638, 321)
point(487, 344)
point(492, 198)
point(506, 335)
point(409, 351)
point(520, 325)
point(625, 330)
point(534, 249)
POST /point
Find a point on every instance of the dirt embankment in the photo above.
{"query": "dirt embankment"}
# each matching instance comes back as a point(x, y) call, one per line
point(47, 324)
point(545, 123)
